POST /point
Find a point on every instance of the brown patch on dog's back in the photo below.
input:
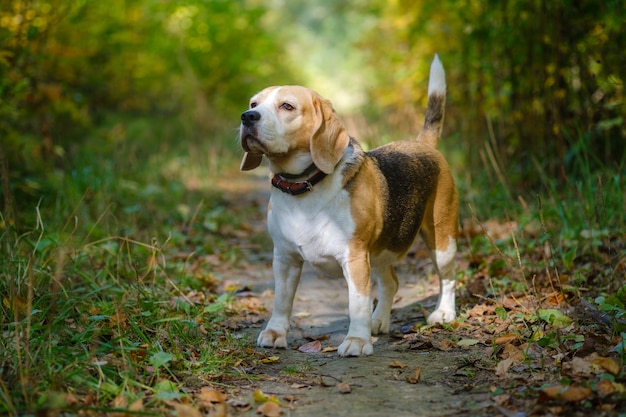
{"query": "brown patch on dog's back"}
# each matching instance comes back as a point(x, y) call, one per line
point(410, 172)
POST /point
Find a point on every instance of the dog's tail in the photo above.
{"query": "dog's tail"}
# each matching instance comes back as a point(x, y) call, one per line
point(435, 111)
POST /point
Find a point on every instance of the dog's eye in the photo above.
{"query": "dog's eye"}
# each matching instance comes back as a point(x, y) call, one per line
point(253, 104)
point(287, 106)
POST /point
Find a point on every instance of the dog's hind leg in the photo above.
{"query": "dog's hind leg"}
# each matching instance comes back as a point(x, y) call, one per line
point(445, 263)
point(387, 288)
point(440, 232)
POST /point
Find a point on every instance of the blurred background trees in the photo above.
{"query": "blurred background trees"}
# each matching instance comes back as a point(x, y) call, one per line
point(535, 88)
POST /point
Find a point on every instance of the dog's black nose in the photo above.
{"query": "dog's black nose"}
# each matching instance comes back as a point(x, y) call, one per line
point(249, 117)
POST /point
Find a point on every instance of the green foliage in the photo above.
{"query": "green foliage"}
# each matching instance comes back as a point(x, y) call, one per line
point(528, 80)
point(615, 306)
point(69, 67)
point(99, 317)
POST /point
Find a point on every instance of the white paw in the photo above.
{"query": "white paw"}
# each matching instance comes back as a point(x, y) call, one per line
point(272, 338)
point(380, 324)
point(355, 346)
point(441, 316)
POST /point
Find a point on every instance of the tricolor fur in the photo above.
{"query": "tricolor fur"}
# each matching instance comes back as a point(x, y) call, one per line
point(362, 217)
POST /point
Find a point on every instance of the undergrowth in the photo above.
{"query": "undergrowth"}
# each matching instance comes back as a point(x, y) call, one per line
point(99, 297)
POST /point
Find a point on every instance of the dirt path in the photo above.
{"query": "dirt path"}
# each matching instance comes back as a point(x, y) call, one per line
point(451, 382)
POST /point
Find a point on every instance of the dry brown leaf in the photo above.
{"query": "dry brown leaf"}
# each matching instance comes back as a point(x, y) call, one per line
point(446, 344)
point(581, 366)
point(269, 409)
point(210, 395)
point(398, 364)
point(343, 388)
point(564, 393)
point(608, 364)
point(330, 349)
point(511, 351)
point(481, 310)
point(502, 369)
point(311, 347)
point(555, 298)
point(504, 339)
point(502, 327)
point(604, 388)
point(416, 378)
point(121, 401)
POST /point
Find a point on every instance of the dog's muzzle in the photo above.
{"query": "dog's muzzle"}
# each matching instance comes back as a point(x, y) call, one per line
point(250, 117)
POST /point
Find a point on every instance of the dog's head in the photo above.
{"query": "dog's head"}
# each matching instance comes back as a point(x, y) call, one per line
point(293, 127)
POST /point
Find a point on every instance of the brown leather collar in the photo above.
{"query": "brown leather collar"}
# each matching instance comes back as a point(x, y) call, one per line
point(283, 183)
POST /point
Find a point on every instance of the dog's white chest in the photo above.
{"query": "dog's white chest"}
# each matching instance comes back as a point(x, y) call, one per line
point(316, 230)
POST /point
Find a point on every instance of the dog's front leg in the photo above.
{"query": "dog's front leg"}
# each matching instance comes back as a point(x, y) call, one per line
point(286, 278)
point(359, 338)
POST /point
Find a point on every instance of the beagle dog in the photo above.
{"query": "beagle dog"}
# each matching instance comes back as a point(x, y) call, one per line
point(349, 212)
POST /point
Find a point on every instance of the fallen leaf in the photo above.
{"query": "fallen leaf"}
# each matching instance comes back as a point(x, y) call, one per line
point(604, 388)
point(481, 310)
point(581, 366)
point(343, 388)
point(330, 349)
point(513, 352)
point(468, 342)
point(260, 397)
point(446, 344)
point(121, 401)
point(303, 314)
point(270, 359)
point(504, 339)
point(211, 395)
point(502, 368)
point(311, 347)
point(136, 405)
point(269, 409)
point(554, 317)
point(564, 393)
point(416, 378)
point(397, 364)
point(608, 364)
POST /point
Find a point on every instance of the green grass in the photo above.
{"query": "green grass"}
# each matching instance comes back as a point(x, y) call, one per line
point(98, 298)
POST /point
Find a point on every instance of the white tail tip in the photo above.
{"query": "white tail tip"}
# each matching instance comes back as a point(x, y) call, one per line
point(437, 81)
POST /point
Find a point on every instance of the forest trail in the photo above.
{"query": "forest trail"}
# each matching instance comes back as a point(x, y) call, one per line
point(403, 377)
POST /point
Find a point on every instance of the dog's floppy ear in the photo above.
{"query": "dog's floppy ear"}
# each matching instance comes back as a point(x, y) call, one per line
point(250, 161)
point(330, 139)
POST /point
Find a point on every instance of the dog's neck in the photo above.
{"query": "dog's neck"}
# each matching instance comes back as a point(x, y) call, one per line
point(296, 184)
